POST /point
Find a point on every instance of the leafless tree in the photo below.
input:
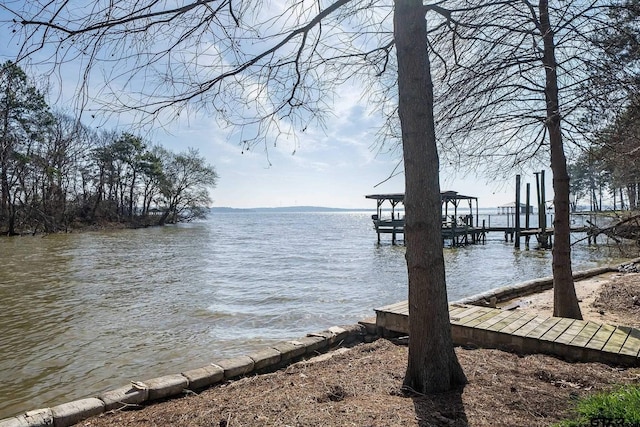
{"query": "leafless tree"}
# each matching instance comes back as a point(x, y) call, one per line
point(511, 79)
point(272, 70)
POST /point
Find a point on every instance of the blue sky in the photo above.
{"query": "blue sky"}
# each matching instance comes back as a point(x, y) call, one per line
point(335, 167)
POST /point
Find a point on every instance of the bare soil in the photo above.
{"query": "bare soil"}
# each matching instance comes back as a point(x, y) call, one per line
point(612, 298)
point(361, 386)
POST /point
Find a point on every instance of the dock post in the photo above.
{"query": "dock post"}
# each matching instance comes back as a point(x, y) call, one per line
point(547, 240)
point(537, 174)
point(526, 218)
point(543, 199)
point(517, 213)
point(483, 233)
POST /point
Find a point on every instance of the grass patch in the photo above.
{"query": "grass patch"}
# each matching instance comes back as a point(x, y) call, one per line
point(620, 407)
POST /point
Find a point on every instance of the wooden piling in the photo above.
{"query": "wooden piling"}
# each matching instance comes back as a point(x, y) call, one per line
point(517, 213)
point(528, 209)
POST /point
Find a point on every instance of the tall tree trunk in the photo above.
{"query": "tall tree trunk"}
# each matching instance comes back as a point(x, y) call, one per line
point(5, 148)
point(433, 365)
point(631, 192)
point(133, 186)
point(565, 301)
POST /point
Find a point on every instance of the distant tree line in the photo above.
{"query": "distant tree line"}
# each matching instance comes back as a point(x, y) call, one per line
point(609, 167)
point(56, 173)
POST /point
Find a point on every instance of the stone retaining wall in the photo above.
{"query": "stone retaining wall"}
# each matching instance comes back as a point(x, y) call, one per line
point(141, 392)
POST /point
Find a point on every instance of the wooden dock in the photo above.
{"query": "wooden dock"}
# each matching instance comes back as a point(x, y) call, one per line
point(518, 331)
point(456, 235)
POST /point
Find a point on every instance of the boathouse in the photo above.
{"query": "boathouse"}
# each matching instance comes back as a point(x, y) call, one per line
point(459, 225)
point(510, 209)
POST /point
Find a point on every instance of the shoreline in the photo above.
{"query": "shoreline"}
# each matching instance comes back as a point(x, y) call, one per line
point(285, 353)
point(536, 296)
point(88, 228)
point(152, 390)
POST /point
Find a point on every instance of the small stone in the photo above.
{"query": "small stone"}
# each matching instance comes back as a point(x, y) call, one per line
point(204, 377)
point(169, 385)
point(71, 413)
point(129, 395)
point(266, 358)
point(236, 366)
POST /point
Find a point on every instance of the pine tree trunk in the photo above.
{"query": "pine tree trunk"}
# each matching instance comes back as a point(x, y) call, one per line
point(565, 301)
point(433, 365)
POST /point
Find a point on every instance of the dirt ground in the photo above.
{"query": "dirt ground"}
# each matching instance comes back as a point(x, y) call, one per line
point(360, 386)
point(612, 298)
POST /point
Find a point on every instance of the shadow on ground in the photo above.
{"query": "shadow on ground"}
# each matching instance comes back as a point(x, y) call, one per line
point(444, 409)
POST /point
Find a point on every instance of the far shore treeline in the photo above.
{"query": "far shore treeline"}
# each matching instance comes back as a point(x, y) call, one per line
point(57, 174)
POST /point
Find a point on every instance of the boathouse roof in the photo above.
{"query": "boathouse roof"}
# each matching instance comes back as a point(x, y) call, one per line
point(399, 197)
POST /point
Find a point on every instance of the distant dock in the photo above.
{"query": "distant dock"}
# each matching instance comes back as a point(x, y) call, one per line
point(460, 225)
point(457, 228)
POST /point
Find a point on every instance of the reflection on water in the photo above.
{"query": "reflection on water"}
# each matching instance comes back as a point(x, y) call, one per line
point(82, 313)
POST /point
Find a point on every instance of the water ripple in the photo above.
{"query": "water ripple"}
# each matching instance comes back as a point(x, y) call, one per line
point(82, 313)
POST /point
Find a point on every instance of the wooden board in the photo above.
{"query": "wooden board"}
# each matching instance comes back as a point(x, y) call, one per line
point(616, 341)
point(503, 316)
point(455, 310)
point(513, 326)
point(601, 337)
point(465, 313)
point(489, 314)
point(631, 346)
point(402, 306)
point(529, 326)
point(585, 334)
point(543, 327)
point(470, 318)
point(557, 330)
point(571, 332)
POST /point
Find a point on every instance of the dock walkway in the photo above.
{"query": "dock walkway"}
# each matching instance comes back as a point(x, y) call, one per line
point(518, 331)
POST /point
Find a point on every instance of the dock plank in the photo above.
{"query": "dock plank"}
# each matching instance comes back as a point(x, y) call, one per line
point(529, 326)
point(469, 311)
point(601, 337)
point(401, 306)
point(585, 334)
point(463, 321)
point(616, 341)
point(489, 314)
point(557, 329)
point(571, 332)
point(543, 327)
point(453, 311)
point(506, 316)
point(512, 326)
point(631, 346)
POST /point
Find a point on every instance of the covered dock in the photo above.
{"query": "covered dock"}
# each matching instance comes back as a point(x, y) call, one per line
point(459, 225)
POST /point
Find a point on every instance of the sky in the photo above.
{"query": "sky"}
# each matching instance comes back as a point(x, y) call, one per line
point(334, 167)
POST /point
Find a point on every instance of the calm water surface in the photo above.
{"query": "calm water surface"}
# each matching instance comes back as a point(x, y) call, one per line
point(82, 313)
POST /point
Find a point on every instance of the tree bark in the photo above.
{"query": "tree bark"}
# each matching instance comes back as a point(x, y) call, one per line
point(433, 365)
point(632, 191)
point(565, 301)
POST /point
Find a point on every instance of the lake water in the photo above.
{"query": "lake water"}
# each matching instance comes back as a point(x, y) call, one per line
point(81, 313)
